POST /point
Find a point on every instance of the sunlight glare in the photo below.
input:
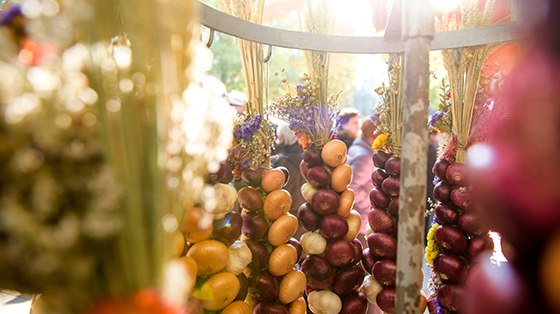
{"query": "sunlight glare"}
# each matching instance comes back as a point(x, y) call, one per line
point(444, 5)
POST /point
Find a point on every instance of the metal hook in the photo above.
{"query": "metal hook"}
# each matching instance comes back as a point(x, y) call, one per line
point(210, 38)
point(269, 54)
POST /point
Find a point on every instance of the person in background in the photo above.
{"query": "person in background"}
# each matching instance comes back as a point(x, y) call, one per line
point(349, 125)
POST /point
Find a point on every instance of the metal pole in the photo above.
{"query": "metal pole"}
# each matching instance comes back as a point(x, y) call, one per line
point(418, 32)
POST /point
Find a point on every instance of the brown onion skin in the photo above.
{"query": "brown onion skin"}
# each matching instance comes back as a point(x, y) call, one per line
point(250, 199)
point(359, 251)
point(377, 177)
point(348, 280)
point(456, 174)
point(252, 177)
point(270, 307)
point(260, 254)
point(325, 201)
point(442, 192)
point(308, 219)
point(286, 173)
point(385, 272)
point(469, 223)
point(386, 299)
point(318, 177)
point(228, 229)
point(440, 168)
point(480, 247)
point(295, 243)
point(303, 168)
point(368, 259)
point(451, 239)
point(312, 157)
point(393, 166)
point(340, 252)
point(318, 271)
point(255, 226)
point(460, 198)
point(393, 207)
point(379, 158)
point(450, 268)
point(333, 226)
point(378, 198)
point(451, 295)
point(355, 303)
point(379, 220)
point(263, 286)
point(382, 245)
point(446, 214)
point(243, 287)
point(391, 186)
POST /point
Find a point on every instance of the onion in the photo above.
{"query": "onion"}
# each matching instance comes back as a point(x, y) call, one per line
point(383, 245)
point(456, 174)
point(393, 166)
point(228, 229)
point(440, 167)
point(451, 239)
point(340, 252)
point(354, 221)
point(380, 221)
point(325, 201)
point(446, 214)
point(303, 168)
point(378, 198)
point(312, 157)
point(450, 295)
point(377, 177)
point(379, 158)
point(358, 251)
point(480, 247)
point(269, 307)
point(214, 177)
point(461, 198)
point(386, 300)
point(227, 177)
point(307, 191)
point(442, 191)
point(391, 186)
point(450, 267)
point(263, 285)
point(308, 218)
point(385, 272)
point(333, 226)
point(393, 207)
point(286, 173)
point(260, 254)
point(318, 177)
point(346, 202)
point(318, 272)
point(368, 259)
point(371, 288)
point(252, 177)
point(295, 243)
point(243, 287)
point(348, 280)
point(432, 306)
point(254, 225)
point(250, 199)
point(396, 230)
point(469, 223)
point(356, 303)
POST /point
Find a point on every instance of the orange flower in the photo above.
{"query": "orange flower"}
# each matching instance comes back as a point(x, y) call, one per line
point(147, 301)
point(237, 172)
point(304, 140)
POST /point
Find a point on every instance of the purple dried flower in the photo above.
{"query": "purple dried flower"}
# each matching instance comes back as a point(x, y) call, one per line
point(237, 133)
point(436, 180)
point(247, 163)
point(245, 134)
point(435, 221)
point(440, 309)
point(436, 116)
point(10, 14)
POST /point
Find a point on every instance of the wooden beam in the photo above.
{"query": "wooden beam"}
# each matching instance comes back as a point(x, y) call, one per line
point(393, 31)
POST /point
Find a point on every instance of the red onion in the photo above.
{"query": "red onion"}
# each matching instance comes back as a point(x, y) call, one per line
point(379, 158)
point(318, 272)
point(456, 174)
point(396, 230)
point(227, 177)
point(442, 191)
point(480, 247)
point(380, 221)
point(432, 306)
point(252, 177)
point(214, 177)
point(469, 223)
point(303, 168)
point(451, 239)
point(450, 267)
point(312, 157)
point(325, 201)
point(393, 207)
point(263, 285)
point(368, 259)
point(318, 177)
point(440, 167)
point(348, 280)
point(356, 303)
point(446, 214)
point(228, 229)
point(295, 243)
point(386, 300)
point(270, 307)
point(340, 252)
point(377, 177)
point(286, 173)
point(308, 218)
point(383, 245)
point(391, 186)
point(250, 199)
point(385, 272)
point(358, 251)
point(378, 198)
point(393, 166)
point(243, 287)
point(255, 226)
point(333, 226)
point(461, 198)
point(450, 295)
point(260, 254)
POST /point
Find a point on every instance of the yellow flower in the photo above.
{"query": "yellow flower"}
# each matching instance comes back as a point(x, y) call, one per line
point(432, 250)
point(275, 73)
point(298, 104)
point(284, 80)
point(380, 142)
